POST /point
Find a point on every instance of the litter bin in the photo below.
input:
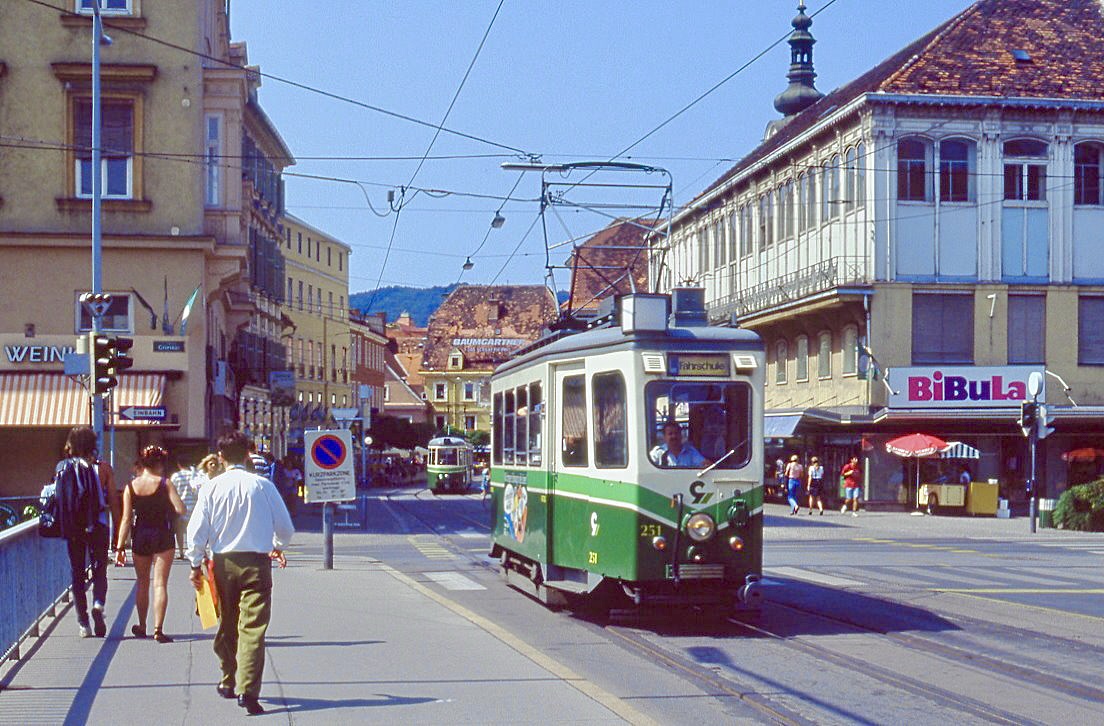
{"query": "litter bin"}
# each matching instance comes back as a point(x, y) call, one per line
point(1046, 512)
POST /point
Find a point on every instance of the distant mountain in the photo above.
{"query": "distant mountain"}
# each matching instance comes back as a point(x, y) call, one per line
point(420, 302)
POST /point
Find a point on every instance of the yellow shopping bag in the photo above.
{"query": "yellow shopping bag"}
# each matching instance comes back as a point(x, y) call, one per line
point(205, 605)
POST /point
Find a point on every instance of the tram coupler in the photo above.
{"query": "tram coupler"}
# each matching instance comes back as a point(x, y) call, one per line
point(750, 594)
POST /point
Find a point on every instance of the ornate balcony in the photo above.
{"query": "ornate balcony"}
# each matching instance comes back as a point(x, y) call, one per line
point(791, 287)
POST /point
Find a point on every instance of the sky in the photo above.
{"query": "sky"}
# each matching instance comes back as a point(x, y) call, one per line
point(571, 80)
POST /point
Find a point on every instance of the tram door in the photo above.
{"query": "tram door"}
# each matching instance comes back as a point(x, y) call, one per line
point(570, 455)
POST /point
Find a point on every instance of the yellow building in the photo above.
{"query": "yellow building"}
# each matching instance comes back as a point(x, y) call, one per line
point(173, 223)
point(316, 294)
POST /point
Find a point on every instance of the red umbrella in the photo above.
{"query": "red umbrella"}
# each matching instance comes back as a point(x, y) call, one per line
point(1085, 454)
point(915, 446)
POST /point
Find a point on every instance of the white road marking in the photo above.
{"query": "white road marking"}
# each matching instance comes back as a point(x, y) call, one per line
point(454, 581)
point(809, 576)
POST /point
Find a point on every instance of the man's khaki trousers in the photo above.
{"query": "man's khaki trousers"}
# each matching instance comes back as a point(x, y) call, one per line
point(244, 584)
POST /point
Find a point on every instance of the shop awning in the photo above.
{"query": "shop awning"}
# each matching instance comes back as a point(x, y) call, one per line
point(57, 400)
point(959, 450)
point(780, 427)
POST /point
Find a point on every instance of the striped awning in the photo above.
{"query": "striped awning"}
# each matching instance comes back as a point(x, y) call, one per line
point(57, 400)
point(959, 450)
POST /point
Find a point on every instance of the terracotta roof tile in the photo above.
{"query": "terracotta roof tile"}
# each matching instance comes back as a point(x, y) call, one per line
point(598, 272)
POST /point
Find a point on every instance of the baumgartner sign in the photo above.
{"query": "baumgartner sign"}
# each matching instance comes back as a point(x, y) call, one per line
point(960, 386)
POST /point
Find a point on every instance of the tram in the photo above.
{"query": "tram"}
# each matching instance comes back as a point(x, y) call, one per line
point(448, 465)
point(627, 460)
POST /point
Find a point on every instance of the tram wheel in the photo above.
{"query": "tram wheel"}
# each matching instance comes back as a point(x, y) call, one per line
point(933, 503)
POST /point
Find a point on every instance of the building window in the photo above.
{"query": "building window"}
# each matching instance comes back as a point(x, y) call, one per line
point(745, 231)
point(1027, 328)
point(766, 228)
point(574, 425)
point(832, 199)
point(913, 160)
point(117, 319)
point(469, 391)
point(439, 422)
point(849, 349)
point(439, 393)
point(942, 328)
point(107, 7)
point(1087, 160)
point(290, 289)
point(734, 235)
point(801, 355)
point(299, 235)
point(1090, 333)
point(860, 176)
point(1025, 170)
point(824, 355)
point(329, 257)
point(214, 158)
point(300, 296)
point(802, 202)
point(117, 143)
point(331, 312)
point(340, 261)
point(957, 159)
point(781, 360)
point(850, 171)
point(469, 423)
point(719, 250)
point(811, 207)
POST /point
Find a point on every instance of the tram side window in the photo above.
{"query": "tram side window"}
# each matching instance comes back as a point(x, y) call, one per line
point(536, 407)
point(693, 425)
point(508, 428)
point(521, 427)
point(496, 423)
point(574, 426)
point(610, 438)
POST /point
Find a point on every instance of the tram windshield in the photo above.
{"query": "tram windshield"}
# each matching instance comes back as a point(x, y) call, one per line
point(696, 425)
point(448, 457)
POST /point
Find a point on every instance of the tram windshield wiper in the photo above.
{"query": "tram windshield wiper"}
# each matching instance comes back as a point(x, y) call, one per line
point(716, 463)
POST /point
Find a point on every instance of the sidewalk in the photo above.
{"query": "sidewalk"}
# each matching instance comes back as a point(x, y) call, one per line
point(360, 644)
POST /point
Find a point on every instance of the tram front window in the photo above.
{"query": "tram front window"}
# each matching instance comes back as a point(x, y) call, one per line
point(448, 457)
point(695, 425)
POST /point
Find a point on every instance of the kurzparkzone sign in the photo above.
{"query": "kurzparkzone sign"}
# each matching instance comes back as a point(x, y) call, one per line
point(960, 386)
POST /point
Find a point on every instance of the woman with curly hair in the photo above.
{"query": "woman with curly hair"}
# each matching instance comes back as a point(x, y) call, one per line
point(150, 509)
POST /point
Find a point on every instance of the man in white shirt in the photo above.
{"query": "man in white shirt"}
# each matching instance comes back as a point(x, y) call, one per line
point(241, 517)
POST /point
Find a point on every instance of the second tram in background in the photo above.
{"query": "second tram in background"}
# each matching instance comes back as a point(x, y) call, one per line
point(627, 458)
point(448, 464)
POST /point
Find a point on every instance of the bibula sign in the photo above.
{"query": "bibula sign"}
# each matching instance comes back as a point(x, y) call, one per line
point(960, 386)
point(698, 366)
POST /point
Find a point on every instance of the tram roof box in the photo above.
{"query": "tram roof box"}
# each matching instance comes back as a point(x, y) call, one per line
point(641, 312)
point(688, 307)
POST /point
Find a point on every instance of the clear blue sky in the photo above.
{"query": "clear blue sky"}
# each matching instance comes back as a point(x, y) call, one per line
point(571, 80)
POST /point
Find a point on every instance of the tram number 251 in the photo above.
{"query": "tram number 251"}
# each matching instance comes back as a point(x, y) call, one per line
point(650, 530)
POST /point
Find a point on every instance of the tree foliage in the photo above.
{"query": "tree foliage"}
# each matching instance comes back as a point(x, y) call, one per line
point(1081, 508)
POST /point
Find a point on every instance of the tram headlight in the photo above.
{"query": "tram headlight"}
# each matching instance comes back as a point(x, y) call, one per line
point(659, 542)
point(736, 543)
point(700, 527)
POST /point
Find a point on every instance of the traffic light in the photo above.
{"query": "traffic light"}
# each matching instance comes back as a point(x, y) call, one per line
point(1029, 417)
point(1042, 424)
point(108, 358)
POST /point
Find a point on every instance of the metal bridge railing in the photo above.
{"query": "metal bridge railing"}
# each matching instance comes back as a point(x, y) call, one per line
point(34, 582)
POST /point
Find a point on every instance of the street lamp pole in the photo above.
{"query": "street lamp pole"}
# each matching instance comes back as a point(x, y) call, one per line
point(97, 208)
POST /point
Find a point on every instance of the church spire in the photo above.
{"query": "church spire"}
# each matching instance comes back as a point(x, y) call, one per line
point(801, 92)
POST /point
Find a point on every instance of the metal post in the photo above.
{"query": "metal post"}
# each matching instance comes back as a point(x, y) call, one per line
point(1033, 502)
point(327, 536)
point(97, 206)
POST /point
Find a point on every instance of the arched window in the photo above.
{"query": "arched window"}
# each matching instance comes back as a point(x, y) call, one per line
point(860, 176)
point(802, 202)
point(824, 355)
point(850, 171)
point(801, 356)
point(781, 361)
point(826, 193)
point(957, 161)
point(811, 207)
point(913, 161)
point(850, 350)
point(834, 194)
point(1087, 159)
point(1025, 170)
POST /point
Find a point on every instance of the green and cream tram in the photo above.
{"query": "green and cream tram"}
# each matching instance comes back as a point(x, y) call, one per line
point(448, 465)
point(627, 460)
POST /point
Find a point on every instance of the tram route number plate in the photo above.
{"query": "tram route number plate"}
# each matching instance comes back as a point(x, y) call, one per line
point(698, 366)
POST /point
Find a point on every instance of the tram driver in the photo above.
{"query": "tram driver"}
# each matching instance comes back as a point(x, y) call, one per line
point(674, 452)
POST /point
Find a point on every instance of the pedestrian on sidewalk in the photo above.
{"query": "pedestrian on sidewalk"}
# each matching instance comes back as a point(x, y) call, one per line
point(150, 509)
point(795, 472)
point(851, 487)
point(816, 485)
point(82, 520)
point(186, 481)
point(242, 519)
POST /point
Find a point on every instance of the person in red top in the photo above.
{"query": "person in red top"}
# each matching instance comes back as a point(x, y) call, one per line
point(851, 487)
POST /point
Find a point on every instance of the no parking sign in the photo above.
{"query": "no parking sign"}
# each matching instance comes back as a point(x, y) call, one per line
point(329, 475)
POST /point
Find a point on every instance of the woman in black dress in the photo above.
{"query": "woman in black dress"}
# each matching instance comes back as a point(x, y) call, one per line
point(150, 509)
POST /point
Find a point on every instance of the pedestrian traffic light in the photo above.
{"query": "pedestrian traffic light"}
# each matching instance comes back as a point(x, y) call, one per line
point(1029, 414)
point(1042, 424)
point(108, 358)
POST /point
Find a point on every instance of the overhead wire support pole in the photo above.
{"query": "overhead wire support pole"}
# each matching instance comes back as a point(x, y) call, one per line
point(97, 211)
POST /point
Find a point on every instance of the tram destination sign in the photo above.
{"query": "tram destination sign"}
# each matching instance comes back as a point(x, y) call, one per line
point(698, 365)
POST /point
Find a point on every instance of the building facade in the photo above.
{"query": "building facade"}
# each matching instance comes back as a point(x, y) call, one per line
point(319, 338)
point(369, 376)
point(917, 242)
point(176, 251)
point(476, 328)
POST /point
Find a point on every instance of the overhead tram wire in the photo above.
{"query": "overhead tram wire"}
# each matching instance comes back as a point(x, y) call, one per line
point(429, 148)
point(281, 79)
point(517, 247)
